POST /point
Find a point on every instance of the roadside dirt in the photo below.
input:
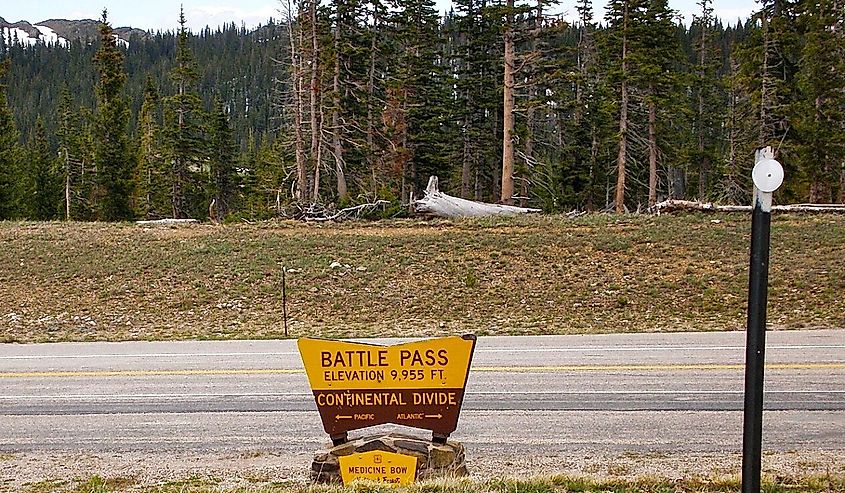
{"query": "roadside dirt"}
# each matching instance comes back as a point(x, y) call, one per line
point(252, 470)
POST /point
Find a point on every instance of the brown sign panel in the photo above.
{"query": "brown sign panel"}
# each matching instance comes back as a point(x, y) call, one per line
point(430, 409)
point(418, 384)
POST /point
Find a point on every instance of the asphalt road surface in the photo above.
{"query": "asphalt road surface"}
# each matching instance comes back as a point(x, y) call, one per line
point(632, 392)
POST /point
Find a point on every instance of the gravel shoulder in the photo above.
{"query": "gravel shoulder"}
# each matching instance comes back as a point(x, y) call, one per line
point(254, 469)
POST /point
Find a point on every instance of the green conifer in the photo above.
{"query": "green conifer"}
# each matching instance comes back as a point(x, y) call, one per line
point(184, 122)
point(113, 159)
point(9, 151)
point(42, 190)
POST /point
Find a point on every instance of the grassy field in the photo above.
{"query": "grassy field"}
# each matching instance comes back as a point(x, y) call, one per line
point(526, 275)
point(558, 484)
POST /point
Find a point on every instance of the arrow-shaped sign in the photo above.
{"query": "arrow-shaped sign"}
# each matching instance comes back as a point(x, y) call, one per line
point(419, 383)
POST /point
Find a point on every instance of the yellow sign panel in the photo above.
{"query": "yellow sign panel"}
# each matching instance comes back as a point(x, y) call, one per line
point(429, 364)
point(377, 465)
point(419, 384)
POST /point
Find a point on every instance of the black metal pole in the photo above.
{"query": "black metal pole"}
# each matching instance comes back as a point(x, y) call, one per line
point(758, 277)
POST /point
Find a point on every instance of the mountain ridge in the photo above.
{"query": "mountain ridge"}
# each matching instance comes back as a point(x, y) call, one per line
point(61, 31)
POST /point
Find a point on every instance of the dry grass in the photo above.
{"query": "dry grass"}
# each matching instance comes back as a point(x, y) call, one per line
point(528, 275)
point(553, 484)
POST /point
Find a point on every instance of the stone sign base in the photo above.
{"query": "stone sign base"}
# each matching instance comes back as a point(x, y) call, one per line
point(434, 460)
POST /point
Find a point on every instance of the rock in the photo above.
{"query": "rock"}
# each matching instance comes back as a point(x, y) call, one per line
point(374, 445)
point(341, 450)
point(417, 446)
point(441, 456)
point(434, 460)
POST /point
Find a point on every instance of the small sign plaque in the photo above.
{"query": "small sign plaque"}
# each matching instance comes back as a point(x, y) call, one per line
point(377, 465)
point(418, 384)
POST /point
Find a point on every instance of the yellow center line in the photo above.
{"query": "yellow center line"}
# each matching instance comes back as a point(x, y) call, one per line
point(147, 373)
point(484, 369)
point(664, 367)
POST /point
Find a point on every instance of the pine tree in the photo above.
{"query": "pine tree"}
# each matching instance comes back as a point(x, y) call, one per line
point(508, 106)
point(153, 194)
point(768, 63)
point(420, 96)
point(315, 96)
point(819, 112)
point(475, 32)
point(709, 104)
point(9, 151)
point(222, 165)
point(75, 141)
point(66, 134)
point(340, 28)
point(42, 191)
point(185, 143)
point(621, 47)
point(656, 72)
point(588, 115)
point(293, 103)
point(113, 159)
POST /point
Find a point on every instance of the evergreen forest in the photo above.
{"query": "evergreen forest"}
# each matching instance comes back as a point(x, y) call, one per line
point(350, 102)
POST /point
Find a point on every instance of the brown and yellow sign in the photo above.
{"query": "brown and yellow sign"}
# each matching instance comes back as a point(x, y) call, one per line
point(419, 384)
point(377, 465)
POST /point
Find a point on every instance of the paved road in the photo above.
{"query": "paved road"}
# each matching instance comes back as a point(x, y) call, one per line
point(644, 392)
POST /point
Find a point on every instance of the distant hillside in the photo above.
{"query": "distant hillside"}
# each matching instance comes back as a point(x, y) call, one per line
point(235, 65)
point(60, 31)
point(88, 29)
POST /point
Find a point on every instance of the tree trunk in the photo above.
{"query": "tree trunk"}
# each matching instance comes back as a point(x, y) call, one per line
point(314, 98)
point(407, 188)
point(437, 203)
point(67, 186)
point(594, 152)
point(466, 157)
point(585, 61)
point(687, 206)
point(336, 142)
point(767, 87)
point(652, 151)
point(531, 111)
point(730, 179)
point(371, 90)
point(466, 164)
point(319, 157)
point(704, 162)
point(297, 103)
point(623, 121)
point(841, 198)
point(508, 120)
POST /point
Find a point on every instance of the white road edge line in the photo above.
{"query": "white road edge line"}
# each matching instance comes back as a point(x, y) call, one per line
point(105, 397)
point(579, 349)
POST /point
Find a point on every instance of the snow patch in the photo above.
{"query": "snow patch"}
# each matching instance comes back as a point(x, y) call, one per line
point(22, 36)
point(50, 36)
point(46, 35)
point(120, 42)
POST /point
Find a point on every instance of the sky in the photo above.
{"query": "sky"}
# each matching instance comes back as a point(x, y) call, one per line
point(164, 14)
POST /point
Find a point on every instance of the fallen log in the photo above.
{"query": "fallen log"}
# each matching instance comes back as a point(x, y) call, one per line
point(674, 205)
point(437, 203)
point(319, 214)
point(166, 222)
